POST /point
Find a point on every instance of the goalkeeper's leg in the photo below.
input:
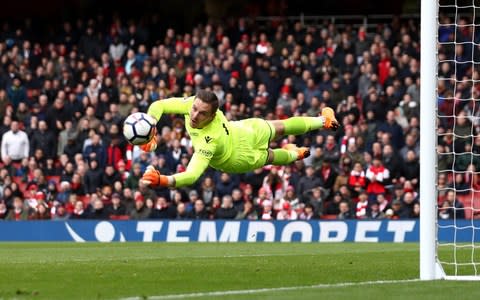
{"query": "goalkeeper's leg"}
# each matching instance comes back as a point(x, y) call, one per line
point(302, 125)
point(288, 154)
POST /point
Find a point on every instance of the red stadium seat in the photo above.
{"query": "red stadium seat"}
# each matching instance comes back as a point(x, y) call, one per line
point(120, 218)
point(471, 202)
point(329, 217)
point(85, 199)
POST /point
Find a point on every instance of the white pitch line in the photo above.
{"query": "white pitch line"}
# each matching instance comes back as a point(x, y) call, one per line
point(266, 290)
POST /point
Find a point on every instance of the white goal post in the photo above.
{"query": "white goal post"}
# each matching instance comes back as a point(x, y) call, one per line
point(429, 265)
point(455, 257)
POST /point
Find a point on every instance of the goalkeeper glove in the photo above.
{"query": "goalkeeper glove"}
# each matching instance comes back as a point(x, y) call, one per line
point(154, 178)
point(152, 144)
point(329, 119)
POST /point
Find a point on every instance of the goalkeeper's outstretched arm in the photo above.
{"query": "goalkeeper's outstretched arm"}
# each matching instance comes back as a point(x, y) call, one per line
point(169, 106)
point(175, 105)
point(198, 164)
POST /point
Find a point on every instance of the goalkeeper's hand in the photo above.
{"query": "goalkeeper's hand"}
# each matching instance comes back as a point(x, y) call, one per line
point(153, 177)
point(330, 122)
point(152, 144)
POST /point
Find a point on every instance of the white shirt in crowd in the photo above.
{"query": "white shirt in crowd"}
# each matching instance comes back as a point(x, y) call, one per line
point(15, 145)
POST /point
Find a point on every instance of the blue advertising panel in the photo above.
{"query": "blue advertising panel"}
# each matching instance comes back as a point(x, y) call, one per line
point(232, 231)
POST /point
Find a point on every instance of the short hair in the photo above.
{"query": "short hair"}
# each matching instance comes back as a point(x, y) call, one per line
point(210, 98)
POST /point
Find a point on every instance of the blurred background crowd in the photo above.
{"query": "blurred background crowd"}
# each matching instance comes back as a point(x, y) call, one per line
point(63, 101)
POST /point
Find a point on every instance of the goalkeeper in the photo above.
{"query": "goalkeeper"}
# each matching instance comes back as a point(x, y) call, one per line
point(229, 146)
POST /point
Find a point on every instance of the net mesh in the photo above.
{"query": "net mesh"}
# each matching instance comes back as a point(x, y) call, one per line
point(458, 144)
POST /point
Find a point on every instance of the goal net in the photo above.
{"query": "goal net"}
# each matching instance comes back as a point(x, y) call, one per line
point(458, 138)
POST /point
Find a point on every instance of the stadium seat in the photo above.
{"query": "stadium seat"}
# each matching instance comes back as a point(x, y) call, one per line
point(119, 218)
point(329, 217)
point(471, 202)
point(85, 199)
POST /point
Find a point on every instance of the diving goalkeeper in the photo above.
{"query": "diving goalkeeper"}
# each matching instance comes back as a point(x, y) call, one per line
point(229, 146)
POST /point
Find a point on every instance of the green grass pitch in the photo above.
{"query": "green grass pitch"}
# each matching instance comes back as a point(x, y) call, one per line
point(219, 271)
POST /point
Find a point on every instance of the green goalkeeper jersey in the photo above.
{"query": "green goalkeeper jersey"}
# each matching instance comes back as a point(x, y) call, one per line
point(232, 147)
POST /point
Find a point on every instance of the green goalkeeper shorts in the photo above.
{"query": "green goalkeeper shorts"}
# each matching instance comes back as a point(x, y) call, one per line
point(250, 148)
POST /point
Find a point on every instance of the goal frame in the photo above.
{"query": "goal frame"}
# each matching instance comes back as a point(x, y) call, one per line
point(430, 266)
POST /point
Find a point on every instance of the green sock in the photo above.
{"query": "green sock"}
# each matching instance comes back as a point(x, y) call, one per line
point(301, 125)
point(283, 157)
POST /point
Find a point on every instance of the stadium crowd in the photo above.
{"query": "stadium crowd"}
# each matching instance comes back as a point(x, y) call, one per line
point(62, 103)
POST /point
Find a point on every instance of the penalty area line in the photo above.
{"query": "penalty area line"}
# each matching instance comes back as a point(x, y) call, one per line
point(266, 290)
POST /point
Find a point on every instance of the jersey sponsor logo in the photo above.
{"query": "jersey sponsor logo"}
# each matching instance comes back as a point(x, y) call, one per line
point(206, 153)
point(208, 139)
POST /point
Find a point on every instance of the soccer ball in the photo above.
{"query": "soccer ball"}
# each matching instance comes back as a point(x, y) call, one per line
point(138, 128)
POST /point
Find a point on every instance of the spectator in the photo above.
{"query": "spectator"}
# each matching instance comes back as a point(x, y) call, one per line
point(199, 211)
point(357, 180)
point(181, 211)
point(60, 213)
point(15, 144)
point(68, 172)
point(308, 182)
point(410, 144)
point(391, 127)
point(64, 193)
point(98, 211)
point(162, 210)
point(79, 211)
point(452, 208)
point(77, 187)
point(110, 176)
point(238, 201)
point(392, 162)
point(362, 205)
point(95, 151)
point(411, 168)
point(397, 210)
point(93, 177)
point(377, 174)
point(286, 212)
point(141, 211)
point(249, 212)
point(308, 213)
point(267, 211)
point(207, 189)
point(374, 212)
point(43, 139)
point(57, 115)
point(226, 184)
point(16, 92)
point(114, 153)
point(3, 210)
point(345, 211)
point(116, 207)
point(192, 198)
point(18, 212)
point(409, 202)
point(331, 151)
point(327, 174)
point(316, 199)
point(226, 211)
point(383, 203)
